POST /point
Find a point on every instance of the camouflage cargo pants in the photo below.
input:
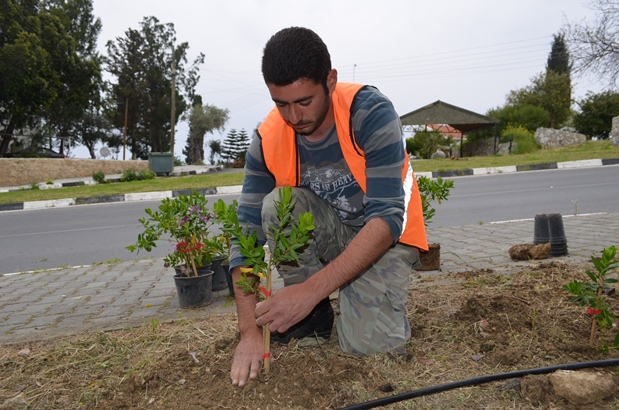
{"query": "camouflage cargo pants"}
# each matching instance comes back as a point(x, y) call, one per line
point(372, 307)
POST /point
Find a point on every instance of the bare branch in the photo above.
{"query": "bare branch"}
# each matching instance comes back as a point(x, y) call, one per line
point(595, 46)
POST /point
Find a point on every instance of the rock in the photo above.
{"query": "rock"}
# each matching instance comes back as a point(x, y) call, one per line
point(552, 138)
point(528, 251)
point(438, 154)
point(24, 352)
point(582, 387)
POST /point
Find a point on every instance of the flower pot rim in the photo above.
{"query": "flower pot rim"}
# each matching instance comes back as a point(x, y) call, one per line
point(204, 272)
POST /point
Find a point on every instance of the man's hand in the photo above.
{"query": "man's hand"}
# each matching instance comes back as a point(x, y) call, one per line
point(287, 307)
point(247, 359)
point(248, 353)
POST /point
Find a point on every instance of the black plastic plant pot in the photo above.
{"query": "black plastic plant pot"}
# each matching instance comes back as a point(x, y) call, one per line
point(226, 268)
point(201, 270)
point(195, 291)
point(219, 275)
point(548, 228)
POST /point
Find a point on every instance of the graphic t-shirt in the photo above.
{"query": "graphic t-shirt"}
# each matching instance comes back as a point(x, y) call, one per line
point(377, 132)
point(325, 171)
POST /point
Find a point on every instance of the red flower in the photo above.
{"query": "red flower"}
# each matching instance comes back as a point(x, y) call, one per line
point(186, 247)
point(592, 311)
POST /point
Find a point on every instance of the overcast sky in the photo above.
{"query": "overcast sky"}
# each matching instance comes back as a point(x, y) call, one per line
point(466, 53)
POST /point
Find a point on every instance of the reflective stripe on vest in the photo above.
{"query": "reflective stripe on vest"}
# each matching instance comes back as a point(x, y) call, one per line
point(281, 158)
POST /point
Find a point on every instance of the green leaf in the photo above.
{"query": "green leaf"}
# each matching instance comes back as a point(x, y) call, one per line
point(592, 276)
point(609, 254)
point(599, 265)
point(573, 287)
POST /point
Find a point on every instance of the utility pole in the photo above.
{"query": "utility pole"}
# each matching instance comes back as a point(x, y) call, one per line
point(353, 72)
point(125, 130)
point(173, 114)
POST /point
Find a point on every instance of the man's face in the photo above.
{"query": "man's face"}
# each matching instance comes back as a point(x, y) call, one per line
point(305, 105)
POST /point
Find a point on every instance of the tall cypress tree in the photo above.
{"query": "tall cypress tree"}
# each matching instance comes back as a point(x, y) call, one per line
point(558, 81)
point(559, 57)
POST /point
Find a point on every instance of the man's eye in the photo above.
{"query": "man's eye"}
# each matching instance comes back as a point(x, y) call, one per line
point(305, 103)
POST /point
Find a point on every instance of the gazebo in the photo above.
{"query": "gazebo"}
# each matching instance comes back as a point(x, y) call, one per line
point(464, 121)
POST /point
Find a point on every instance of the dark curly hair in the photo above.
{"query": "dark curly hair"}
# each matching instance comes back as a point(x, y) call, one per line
point(294, 53)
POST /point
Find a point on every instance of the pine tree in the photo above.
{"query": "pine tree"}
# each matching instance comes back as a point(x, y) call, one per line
point(234, 146)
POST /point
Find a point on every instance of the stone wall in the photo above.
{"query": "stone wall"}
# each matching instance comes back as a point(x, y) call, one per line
point(482, 148)
point(25, 171)
point(614, 132)
point(552, 138)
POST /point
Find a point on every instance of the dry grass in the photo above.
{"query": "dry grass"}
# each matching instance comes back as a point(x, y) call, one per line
point(463, 325)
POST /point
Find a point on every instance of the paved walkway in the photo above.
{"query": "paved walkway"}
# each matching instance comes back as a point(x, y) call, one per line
point(132, 293)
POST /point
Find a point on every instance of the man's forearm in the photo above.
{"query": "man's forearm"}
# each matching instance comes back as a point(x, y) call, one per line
point(245, 306)
point(368, 245)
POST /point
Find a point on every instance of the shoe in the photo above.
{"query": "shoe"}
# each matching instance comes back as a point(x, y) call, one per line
point(318, 323)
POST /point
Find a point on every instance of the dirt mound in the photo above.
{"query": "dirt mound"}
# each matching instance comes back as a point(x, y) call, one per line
point(469, 324)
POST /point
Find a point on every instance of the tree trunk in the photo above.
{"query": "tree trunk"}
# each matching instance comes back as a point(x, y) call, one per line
point(7, 135)
point(91, 150)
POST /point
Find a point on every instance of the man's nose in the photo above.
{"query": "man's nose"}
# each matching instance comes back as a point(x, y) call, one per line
point(295, 115)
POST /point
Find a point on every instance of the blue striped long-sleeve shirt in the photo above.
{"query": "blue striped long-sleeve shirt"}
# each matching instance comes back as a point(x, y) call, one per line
point(378, 133)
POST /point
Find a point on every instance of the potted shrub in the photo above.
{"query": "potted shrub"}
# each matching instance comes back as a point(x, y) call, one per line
point(185, 222)
point(226, 216)
point(432, 190)
point(219, 265)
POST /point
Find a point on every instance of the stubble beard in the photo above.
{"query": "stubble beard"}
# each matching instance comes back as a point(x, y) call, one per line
point(319, 119)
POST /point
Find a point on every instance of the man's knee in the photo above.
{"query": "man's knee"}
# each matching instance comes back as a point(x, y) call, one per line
point(268, 204)
point(269, 209)
point(379, 329)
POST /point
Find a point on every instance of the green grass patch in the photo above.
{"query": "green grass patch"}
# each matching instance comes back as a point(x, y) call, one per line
point(588, 150)
point(210, 180)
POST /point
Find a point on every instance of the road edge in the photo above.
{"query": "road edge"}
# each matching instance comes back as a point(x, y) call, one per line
point(236, 189)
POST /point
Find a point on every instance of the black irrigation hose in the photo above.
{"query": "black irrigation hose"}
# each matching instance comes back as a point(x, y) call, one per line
point(478, 380)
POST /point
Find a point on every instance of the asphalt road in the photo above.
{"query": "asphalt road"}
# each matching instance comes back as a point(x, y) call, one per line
point(86, 234)
point(522, 195)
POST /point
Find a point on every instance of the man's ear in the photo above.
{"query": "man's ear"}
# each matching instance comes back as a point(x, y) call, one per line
point(332, 80)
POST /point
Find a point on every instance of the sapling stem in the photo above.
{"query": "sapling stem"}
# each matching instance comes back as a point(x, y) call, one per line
point(285, 249)
point(266, 333)
point(193, 265)
point(594, 321)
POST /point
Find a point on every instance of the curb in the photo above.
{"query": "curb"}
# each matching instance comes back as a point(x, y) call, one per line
point(236, 189)
point(143, 196)
point(587, 163)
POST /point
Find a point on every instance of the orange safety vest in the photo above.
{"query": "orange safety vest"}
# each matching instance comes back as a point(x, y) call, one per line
point(281, 157)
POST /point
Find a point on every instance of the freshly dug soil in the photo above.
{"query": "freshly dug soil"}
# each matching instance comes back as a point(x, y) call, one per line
point(463, 325)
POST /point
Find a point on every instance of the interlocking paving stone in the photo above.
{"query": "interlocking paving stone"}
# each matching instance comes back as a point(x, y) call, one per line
point(112, 296)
